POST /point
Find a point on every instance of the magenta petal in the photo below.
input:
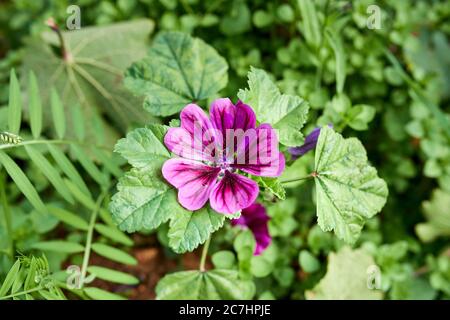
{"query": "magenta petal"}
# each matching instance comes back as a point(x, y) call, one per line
point(260, 156)
point(222, 114)
point(233, 193)
point(245, 117)
point(256, 219)
point(225, 115)
point(196, 138)
point(193, 180)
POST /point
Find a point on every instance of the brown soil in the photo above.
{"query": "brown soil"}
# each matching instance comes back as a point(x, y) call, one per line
point(152, 265)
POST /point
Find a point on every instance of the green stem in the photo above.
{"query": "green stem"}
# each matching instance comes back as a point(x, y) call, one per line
point(77, 292)
point(319, 71)
point(28, 142)
point(204, 254)
point(7, 216)
point(312, 175)
point(21, 293)
point(87, 248)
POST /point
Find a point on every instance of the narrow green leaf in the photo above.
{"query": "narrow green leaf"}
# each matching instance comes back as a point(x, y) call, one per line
point(78, 122)
point(113, 234)
point(35, 106)
point(47, 169)
point(68, 168)
point(113, 254)
point(311, 27)
point(80, 196)
point(100, 294)
point(108, 162)
point(88, 165)
point(59, 119)
point(47, 295)
point(15, 104)
point(22, 182)
point(113, 275)
point(336, 43)
point(18, 281)
point(58, 246)
point(30, 280)
point(10, 278)
point(69, 218)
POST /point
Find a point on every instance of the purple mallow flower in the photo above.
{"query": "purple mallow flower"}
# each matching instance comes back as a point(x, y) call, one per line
point(256, 219)
point(310, 143)
point(212, 150)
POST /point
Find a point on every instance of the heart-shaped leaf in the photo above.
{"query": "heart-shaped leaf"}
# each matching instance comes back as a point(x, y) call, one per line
point(178, 70)
point(189, 229)
point(346, 278)
point(348, 189)
point(91, 72)
point(216, 284)
point(284, 112)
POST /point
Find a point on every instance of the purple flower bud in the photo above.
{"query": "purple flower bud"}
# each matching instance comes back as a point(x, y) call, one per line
point(310, 143)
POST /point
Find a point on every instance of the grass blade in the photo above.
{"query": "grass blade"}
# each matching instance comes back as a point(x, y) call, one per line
point(59, 119)
point(336, 44)
point(58, 246)
point(35, 106)
point(78, 122)
point(22, 182)
point(311, 26)
point(52, 175)
point(100, 294)
point(113, 234)
point(113, 254)
point(9, 280)
point(83, 198)
point(15, 104)
point(69, 218)
point(89, 166)
point(68, 168)
point(113, 275)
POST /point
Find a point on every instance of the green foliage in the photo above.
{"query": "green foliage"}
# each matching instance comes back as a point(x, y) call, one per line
point(217, 284)
point(387, 87)
point(348, 189)
point(346, 278)
point(60, 175)
point(29, 278)
point(86, 73)
point(284, 112)
point(190, 229)
point(437, 213)
point(179, 69)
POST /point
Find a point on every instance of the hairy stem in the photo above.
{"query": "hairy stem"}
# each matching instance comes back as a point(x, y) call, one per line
point(312, 175)
point(87, 248)
point(21, 293)
point(44, 141)
point(204, 254)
